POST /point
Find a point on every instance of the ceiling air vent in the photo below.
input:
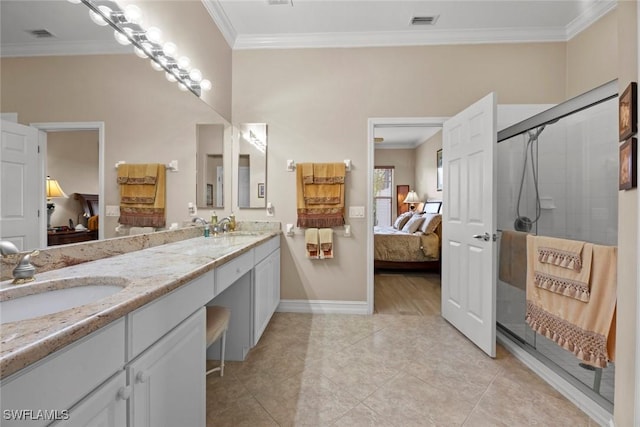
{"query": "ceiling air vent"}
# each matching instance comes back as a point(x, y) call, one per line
point(41, 34)
point(424, 20)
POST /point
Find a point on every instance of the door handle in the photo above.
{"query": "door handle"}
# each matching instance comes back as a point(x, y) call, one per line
point(486, 237)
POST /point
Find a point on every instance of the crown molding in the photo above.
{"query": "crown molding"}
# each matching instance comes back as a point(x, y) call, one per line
point(592, 14)
point(221, 19)
point(58, 48)
point(398, 38)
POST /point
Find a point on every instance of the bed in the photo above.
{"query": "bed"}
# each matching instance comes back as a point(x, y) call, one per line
point(413, 242)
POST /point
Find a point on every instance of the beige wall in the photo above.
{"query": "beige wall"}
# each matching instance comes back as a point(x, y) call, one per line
point(592, 56)
point(426, 168)
point(627, 394)
point(72, 160)
point(404, 163)
point(147, 119)
point(317, 103)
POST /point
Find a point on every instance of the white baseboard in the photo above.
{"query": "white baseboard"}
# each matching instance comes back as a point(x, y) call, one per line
point(568, 390)
point(322, 306)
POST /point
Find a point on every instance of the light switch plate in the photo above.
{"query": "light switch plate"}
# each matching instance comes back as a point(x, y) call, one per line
point(356, 211)
point(111, 210)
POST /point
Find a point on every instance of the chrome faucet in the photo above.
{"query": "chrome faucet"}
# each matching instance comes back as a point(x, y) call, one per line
point(199, 220)
point(24, 271)
point(222, 225)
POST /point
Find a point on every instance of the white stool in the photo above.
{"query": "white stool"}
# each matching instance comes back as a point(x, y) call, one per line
point(217, 324)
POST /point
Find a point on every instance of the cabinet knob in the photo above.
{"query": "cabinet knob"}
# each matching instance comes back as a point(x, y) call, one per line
point(142, 377)
point(123, 393)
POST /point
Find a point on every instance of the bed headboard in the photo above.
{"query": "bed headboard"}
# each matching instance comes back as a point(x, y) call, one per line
point(90, 203)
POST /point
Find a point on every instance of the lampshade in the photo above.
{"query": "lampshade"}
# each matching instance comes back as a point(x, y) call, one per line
point(54, 189)
point(412, 197)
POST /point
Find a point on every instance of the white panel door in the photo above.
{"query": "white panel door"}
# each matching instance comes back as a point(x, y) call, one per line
point(468, 266)
point(21, 186)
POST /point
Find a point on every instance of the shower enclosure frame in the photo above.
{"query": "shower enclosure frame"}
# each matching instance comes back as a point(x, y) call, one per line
point(572, 388)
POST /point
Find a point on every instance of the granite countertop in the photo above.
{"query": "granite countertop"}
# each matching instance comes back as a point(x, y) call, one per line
point(149, 274)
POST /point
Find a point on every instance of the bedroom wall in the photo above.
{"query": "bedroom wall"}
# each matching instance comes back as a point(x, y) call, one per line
point(404, 163)
point(426, 168)
point(72, 160)
point(316, 103)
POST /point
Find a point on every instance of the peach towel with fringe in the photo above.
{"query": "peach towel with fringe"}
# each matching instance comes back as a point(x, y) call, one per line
point(138, 182)
point(146, 214)
point(587, 329)
point(563, 266)
point(317, 186)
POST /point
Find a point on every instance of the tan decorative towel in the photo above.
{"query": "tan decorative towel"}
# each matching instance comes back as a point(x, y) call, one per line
point(318, 215)
point(311, 241)
point(326, 242)
point(561, 252)
point(146, 214)
point(513, 258)
point(322, 194)
point(563, 266)
point(136, 183)
point(329, 173)
point(586, 329)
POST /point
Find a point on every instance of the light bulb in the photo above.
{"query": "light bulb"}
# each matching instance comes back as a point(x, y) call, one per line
point(133, 14)
point(205, 84)
point(195, 75)
point(184, 62)
point(182, 87)
point(140, 53)
point(170, 49)
point(122, 38)
point(154, 34)
point(74, 1)
point(156, 66)
point(170, 77)
point(99, 19)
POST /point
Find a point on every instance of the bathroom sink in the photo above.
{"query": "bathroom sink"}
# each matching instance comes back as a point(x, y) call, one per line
point(48, 297)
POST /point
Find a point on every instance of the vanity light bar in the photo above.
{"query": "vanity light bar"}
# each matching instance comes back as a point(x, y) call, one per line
point(147, 44)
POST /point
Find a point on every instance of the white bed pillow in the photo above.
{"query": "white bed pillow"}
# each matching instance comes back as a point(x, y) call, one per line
point(413, 224)
point(402, 220)
point(431, 222)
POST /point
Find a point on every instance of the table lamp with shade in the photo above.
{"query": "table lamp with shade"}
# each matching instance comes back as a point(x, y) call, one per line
point(412, 198)
point(53, 191)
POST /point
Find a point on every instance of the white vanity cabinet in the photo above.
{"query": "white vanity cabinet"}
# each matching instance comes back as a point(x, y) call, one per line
point(266, 285)
point(168, 379)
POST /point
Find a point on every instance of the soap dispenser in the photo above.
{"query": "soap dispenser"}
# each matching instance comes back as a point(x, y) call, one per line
point(232, 222)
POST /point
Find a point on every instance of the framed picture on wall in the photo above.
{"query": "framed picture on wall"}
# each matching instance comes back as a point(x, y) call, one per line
point(628, 167)
point(627, 112)
point(439, 170)
point(261, 190)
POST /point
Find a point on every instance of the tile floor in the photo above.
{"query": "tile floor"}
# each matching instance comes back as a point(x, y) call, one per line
point(379, 370)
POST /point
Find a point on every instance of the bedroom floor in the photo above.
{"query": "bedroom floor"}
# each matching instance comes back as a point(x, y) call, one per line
point(381, 370)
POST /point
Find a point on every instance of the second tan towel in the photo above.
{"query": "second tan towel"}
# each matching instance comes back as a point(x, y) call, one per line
point(311, 242)
point(326, 242)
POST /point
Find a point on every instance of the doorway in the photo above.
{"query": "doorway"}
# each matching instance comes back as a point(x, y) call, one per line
point(87, 139)
point(408, 162)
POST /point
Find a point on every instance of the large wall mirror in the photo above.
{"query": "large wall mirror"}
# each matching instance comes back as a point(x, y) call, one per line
point(210, 166)
point(252, 165)
point(80, 75)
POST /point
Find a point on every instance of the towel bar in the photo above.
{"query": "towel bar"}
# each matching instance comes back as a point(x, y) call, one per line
point(171, 166)
point(291, 165)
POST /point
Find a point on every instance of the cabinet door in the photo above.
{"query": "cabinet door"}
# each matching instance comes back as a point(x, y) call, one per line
point(168, 379)
point(105, 407)
point(263, 290)
point(275, 289)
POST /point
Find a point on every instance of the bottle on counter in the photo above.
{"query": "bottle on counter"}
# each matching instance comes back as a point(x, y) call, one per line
point(214, 219)
point(232, 222)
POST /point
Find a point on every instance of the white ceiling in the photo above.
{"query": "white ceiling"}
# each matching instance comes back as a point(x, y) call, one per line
point(255, 24)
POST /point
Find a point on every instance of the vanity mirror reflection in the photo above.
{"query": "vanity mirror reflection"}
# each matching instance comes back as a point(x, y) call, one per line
point(210, 166)
point(60, 80)
point(252, 165)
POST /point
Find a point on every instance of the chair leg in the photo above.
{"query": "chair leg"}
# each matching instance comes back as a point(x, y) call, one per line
point(222, 346)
